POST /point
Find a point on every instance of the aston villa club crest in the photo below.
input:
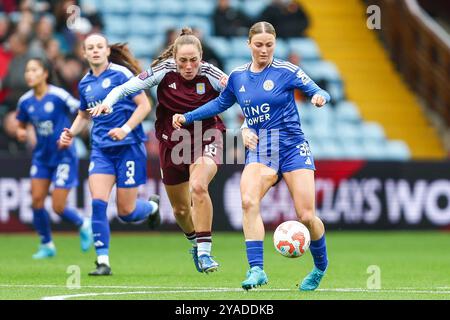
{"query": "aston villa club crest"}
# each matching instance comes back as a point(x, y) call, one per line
point(201, 88)
point(145, 74)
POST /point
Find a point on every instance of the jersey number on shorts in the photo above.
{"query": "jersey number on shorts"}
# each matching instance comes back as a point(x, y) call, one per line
point(130, 172)
point(62, 174)
point(304, 149)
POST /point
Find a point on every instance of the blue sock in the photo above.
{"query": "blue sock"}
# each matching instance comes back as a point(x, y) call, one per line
point(255, 252)
point(142, 211)
point(41, 222)
point(100, 226)
point(72, 216)
point(319, 252)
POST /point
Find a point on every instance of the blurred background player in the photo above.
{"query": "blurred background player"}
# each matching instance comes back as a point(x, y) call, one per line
point(184, 82)
point(47, 108)
point(264, 89)
point(118, 154)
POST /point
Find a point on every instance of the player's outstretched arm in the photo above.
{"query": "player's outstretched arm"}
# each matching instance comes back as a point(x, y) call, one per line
point(133, 85)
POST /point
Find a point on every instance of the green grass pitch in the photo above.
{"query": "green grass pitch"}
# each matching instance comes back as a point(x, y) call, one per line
point(411, 265)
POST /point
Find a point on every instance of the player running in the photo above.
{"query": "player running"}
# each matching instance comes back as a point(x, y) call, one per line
point(264, 88)
point(47, 108)
point(184, 82)
point(118, 153)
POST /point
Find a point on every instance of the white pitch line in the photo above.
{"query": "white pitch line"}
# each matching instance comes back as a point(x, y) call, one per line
point(179, 289)
point(63, 297)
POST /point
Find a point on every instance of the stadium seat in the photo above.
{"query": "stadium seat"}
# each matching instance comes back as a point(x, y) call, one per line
point(353, 150)
point(199, 7)
point(90, 4)
point(200, 23)
point(306, 48)
point(142, 47)
point(144, 7)
point(239, 48)
point(172, 8)
point(321, 70)
point(322, 116)
point(397, 150)
point(162, 23)
point(141, 25)
point(281, 49)
point(231, 64)
point(253, 8)
point(328, 149)
point(322, 131)
point(346, 111)
point(348, 132)
point(374, 150)
point(220, 45)
point(118, 7)
point(372, 132)
point(115, 26)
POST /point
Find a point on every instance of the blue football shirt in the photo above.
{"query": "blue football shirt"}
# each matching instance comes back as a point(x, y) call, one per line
point(49, 116)
point(92, 92)
point(266, 99)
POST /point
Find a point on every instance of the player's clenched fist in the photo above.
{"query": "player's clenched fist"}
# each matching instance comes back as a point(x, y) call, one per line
point(178, 120)
point(249, 138)
point(318, 100)
point(65, 139)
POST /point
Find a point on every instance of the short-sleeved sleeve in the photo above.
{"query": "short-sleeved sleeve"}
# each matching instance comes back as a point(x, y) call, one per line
point(22, 114)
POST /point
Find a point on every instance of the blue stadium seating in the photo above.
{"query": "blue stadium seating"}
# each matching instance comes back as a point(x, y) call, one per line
point(141, 25)
point(346, 111)
point(115, 25)
point(306, 48)
point(115, 7)
point(253, 8)
point(173, 7)
point(200, 23)
point(199, 7)
point(144, 7)
point(220, 46)
point(397, 150)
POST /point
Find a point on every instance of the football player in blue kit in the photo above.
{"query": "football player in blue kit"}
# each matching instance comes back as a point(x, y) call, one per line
point(48, 108)
point(277, 148)
point(118, 153)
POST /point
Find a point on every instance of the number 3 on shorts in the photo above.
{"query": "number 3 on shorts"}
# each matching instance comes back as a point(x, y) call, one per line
point(130, 172)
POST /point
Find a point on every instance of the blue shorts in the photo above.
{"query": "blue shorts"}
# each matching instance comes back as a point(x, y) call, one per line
point(128, 163)
point(64, 175)
point(284, 158)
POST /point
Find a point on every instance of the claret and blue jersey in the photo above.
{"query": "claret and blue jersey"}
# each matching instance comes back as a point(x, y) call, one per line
point(93, 91)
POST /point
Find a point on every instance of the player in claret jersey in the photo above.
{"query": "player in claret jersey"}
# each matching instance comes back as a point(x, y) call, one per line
point(48, 108)
point(264, 88)
point(184, 82)
point(118, 153)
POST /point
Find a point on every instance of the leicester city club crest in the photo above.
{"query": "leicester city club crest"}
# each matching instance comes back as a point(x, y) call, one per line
point(201, 88)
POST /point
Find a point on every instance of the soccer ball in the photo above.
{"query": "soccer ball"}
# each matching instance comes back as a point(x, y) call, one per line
point(291, 239)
